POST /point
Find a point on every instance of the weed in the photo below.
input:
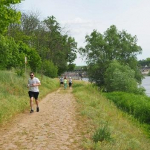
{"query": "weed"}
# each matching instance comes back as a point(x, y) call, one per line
point(101, 134)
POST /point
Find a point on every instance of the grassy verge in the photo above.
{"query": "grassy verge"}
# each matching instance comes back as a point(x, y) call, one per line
point(14, 93)
point(106, 127)
point(136, 105)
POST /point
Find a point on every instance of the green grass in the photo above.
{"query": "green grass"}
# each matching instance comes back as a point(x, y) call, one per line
point(14, 93)
point(136, 105)
point(106, 127)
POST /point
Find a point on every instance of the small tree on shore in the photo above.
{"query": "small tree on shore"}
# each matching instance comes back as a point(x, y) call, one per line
point(121, 78)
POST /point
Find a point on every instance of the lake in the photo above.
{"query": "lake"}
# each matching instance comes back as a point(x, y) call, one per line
point(146, 84)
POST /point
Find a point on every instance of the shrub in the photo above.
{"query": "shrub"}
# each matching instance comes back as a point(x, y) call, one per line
point(101, 134)
point(121, 78)
point(49, 69)
point(137, 105)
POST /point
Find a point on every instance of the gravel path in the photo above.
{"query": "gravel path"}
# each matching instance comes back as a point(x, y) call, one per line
point(55, 127)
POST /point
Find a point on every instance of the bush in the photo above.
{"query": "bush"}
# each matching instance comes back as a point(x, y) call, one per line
point(3, 52)
point(101, 134)
point(121, 78)
point(49, 69)
point(137, 105)
point(33, 58)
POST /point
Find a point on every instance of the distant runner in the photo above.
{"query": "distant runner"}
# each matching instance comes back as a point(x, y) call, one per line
point(70, 82)
point(65, 83)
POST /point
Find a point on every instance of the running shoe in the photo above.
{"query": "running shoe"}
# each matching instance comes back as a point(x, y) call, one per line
point(37, 109)
point(31, 111)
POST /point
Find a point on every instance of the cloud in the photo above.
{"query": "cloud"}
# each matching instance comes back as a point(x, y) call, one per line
point(75, 21)
point(79, 25)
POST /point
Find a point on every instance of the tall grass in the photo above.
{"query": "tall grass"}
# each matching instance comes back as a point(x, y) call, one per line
point(137, 105)
point(14, 93)
point(106, 126)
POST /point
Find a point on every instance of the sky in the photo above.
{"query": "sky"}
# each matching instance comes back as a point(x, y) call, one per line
point(80, 17)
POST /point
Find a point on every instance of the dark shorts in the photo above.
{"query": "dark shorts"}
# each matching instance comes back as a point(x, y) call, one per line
point(70, 84)
point(33, 94)
point(61, 82)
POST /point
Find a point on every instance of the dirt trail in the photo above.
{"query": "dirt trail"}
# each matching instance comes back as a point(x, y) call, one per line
point(53, 128)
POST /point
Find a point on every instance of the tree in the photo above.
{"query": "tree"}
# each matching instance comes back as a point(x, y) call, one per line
point(144, 62)
point(9, 53)
point(49, 69)
point(71, 67)
point(26, 30)
point(8, 14)
point(46, 38)
point(60, 48)
point(3, 52)
point(13, 54)
point(121, 78)
point(102, 49)
point(29, 23)
point(34, 60)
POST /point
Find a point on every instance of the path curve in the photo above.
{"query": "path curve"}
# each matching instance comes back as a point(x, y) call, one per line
point(55, 127)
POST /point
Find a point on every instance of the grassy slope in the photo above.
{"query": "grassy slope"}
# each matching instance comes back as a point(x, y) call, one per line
point(136, 105)
point(14, 93)
point(98, 112)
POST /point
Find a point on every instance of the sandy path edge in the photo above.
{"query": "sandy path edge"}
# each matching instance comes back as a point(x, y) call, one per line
point(55, 127)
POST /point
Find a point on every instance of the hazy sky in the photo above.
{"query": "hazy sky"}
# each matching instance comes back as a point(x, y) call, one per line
point(80, 17)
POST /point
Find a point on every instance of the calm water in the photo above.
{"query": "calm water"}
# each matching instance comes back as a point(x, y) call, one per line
point(146, 84)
